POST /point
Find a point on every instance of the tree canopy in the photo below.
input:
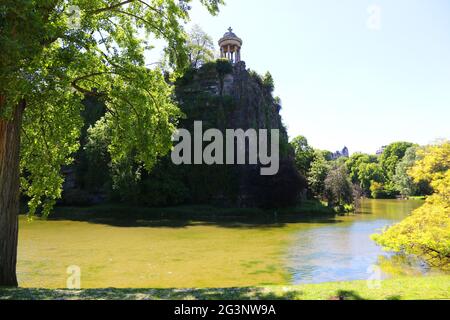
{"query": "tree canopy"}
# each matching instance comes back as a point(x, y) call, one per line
point(304, 154)
point(426, 233)
point(200, 47)
point(391, 156)
point(318, 173)
point(55, 53)
point(338, 188)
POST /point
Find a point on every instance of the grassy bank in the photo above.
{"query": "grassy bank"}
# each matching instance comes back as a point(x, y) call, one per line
point(421, 288)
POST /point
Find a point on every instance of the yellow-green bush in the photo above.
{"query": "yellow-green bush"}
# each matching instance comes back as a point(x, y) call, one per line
point(426, 233)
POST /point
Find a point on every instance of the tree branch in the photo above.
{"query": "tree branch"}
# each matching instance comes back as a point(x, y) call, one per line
point(112, 7)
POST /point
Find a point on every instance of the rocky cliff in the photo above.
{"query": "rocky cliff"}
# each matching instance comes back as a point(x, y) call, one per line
point(222, 96)
point(232, 97)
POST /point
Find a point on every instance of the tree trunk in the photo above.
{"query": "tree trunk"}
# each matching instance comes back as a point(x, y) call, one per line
point(9, 195)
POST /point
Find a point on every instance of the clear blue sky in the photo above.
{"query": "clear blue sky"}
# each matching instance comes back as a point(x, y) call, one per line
point(341, 82)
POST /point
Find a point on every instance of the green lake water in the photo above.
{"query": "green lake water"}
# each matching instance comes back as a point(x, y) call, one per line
point(343, 251)
point(187, 254)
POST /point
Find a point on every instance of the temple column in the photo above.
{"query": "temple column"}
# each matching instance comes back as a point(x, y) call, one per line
point(230, 45)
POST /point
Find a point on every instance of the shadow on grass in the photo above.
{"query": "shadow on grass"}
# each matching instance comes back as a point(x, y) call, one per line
point(394, 298)
point(148, 294)
point(349, 295)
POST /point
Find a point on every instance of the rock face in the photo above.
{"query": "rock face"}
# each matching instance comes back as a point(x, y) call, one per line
point(255, 106)
point(222, 96)
point(237, 99)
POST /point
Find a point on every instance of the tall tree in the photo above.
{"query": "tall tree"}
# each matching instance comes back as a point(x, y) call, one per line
point(403, 181)
point(389, 160)
point(366, 172)
point(338, 188)
point(304, 154)
point(53, 53)
point(200, 47)
point(391, 156)
point(318, 173)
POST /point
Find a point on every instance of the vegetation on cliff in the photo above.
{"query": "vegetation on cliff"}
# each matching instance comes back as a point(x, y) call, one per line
point(223, 97)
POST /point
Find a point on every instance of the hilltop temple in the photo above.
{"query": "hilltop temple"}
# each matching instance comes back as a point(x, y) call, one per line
point(230, 46)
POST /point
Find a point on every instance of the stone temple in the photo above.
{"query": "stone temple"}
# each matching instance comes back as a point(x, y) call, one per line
point(230, 46)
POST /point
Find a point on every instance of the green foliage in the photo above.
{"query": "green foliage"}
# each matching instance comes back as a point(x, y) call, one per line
point(328, 155)
point(277, 100)
point(163, 187)
point(257, 77)
point(119, 178)
point(50, 136)
point(403, 181)
point(393, 154)
point(355, 162)
point(377, 176)
point(304, 154)
point(268, 82)
point(317, 174)
point(90, 173)
point(223, 67)
point(54, 64)
point(338, 188)
point(426, 233)
point(97, 175)
point(369, 173)
point(364, 169)
point(377, 190)
point(186, 78)
point(200, 47)
point(434, 167)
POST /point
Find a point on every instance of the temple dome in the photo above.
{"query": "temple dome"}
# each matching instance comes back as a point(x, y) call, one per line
point(230, 36)
point(230, 46)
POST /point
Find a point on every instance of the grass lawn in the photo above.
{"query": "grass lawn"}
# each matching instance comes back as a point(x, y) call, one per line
point(411, 288)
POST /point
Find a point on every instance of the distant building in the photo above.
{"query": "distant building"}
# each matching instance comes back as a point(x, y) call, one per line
point(344, 153)
point(381, 150)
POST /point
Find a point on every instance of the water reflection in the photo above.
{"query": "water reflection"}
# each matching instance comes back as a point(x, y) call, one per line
point(344, 252)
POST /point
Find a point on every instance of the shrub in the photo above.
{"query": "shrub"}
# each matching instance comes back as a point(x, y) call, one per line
point(223, 67)
point(426, 233)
